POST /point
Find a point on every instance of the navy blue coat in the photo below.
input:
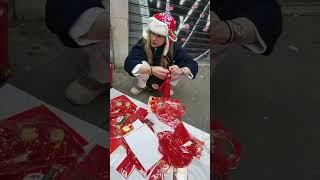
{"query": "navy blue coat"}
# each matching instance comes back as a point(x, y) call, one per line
point(265, 14)
point(60, 15)
point(180, 58)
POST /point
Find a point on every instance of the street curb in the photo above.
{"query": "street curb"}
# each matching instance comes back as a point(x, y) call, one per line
point(301, 8)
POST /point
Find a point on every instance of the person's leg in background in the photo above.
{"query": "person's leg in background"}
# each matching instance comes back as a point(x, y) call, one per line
point(85, 89)
point(91, 27)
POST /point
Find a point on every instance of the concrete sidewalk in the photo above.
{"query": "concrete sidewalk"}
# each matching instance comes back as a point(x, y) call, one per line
point(272, 104)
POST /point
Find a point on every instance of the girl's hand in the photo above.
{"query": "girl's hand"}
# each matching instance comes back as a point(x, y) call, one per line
point(175, 70)
point(159, 72)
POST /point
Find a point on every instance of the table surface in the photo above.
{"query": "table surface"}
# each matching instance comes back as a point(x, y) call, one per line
point(198, 169)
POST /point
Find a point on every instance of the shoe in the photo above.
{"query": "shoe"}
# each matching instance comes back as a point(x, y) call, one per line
point(135, 90)
point(84, 90)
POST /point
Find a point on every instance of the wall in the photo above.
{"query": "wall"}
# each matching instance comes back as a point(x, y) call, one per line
point(119, 30)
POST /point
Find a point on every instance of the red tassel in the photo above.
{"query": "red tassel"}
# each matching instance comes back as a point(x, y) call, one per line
point(166, 87)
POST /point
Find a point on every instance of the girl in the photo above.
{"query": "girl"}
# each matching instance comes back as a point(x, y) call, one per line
point(156, 55)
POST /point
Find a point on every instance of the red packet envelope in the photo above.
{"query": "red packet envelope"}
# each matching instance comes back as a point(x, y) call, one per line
point(118, 130)
point(114, 144)
point(140, 114)
point(121, 106)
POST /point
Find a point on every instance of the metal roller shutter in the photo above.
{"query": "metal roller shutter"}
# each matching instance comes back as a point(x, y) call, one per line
point(192, 16)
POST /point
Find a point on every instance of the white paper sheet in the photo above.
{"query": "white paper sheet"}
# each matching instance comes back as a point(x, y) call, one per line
point(118, 156)
point(144, 144)
point(137, 124)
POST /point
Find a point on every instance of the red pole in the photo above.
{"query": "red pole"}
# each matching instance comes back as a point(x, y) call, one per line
point(4, 65)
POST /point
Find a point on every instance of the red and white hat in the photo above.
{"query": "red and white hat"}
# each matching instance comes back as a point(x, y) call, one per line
point(163, 24)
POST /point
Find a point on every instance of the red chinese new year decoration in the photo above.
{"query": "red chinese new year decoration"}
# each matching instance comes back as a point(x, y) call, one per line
point(170, 111)
point(222, 164)
point(165, 87)
point(178, 148)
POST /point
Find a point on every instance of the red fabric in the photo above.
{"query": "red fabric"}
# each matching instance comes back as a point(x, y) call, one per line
point(222, 164)
point(166, 87)
point(94, 166)
point(40, 152)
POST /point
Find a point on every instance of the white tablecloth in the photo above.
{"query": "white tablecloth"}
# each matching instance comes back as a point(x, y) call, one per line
point(198, 169)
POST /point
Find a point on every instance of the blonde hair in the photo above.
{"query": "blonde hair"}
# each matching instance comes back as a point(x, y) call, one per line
point(165, 60)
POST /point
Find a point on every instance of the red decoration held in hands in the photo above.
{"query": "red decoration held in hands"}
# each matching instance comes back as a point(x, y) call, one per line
point(166, 87)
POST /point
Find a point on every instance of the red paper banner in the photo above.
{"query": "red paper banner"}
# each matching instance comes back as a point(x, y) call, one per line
point(37, 141)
